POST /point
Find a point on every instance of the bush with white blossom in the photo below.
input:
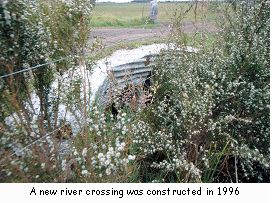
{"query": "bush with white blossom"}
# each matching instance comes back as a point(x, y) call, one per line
point(210, 116)
point(208, 120)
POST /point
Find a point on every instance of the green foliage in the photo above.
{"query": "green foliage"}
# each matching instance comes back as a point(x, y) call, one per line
point(219, 96)
point(208, 122)
point(107, 21)
point(33, 33)
point(23, 44)
point(68, 33)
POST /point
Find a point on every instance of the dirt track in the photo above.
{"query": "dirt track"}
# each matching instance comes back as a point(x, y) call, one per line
point(114, 36)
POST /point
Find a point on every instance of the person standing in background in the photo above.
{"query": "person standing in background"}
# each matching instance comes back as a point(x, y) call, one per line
point(154, 10)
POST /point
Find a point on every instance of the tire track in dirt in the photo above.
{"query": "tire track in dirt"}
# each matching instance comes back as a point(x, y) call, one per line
point(113, 36)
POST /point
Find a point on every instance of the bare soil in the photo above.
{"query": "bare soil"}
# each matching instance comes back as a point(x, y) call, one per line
point(113, 36)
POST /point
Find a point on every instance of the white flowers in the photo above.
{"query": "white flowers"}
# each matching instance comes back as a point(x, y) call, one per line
point(43, 165)
point(124, 130)
point(64, 164)
point(75, 153)
point(118, 154)
point(100, 155)
point(108, 171)
point(107, 162)
point(120, 146)
point(7, 17)
point(85, 173)
point(131, 157)
point(84, 152)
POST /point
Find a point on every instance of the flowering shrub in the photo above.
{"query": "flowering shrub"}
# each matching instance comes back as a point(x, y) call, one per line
point(33, 33)
point(104, 154)
point(22, 45)
point(208, 120)
point(211, 109)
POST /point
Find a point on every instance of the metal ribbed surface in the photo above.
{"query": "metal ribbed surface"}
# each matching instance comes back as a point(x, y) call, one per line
point(130, 73)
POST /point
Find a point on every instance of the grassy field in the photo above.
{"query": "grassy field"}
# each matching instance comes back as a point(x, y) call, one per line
point(136, 14)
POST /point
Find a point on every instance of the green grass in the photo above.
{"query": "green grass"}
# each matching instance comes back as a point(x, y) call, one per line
point(136, 14)
point(194, 40)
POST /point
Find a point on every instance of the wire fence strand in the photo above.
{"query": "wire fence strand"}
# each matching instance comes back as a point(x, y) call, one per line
point(151, 76)
point(34, 67)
